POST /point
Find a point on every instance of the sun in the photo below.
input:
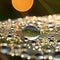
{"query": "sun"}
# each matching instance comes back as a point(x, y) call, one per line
point(22, 5)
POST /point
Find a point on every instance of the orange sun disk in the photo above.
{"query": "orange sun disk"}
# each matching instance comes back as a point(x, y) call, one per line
point(22, 5)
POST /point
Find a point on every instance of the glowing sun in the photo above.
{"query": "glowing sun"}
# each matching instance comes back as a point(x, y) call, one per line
point(22, 5)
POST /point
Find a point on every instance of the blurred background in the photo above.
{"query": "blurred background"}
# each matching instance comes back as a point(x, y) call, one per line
point(39, 8)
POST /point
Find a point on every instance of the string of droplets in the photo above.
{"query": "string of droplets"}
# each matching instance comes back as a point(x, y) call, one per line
point(13, 43)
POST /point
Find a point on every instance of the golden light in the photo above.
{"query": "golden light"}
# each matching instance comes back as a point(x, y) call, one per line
point(22, 5)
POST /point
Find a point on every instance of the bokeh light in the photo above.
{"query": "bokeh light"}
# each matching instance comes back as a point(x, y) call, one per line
point(22, 5)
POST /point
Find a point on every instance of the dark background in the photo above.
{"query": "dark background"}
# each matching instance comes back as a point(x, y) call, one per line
point(40, 8)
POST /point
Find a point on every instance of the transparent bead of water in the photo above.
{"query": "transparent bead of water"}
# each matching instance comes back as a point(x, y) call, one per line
point(31, 32)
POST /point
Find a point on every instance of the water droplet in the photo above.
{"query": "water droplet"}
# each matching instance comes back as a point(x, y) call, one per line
point(5, 49)
point(31, 32)
point(24, 54)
